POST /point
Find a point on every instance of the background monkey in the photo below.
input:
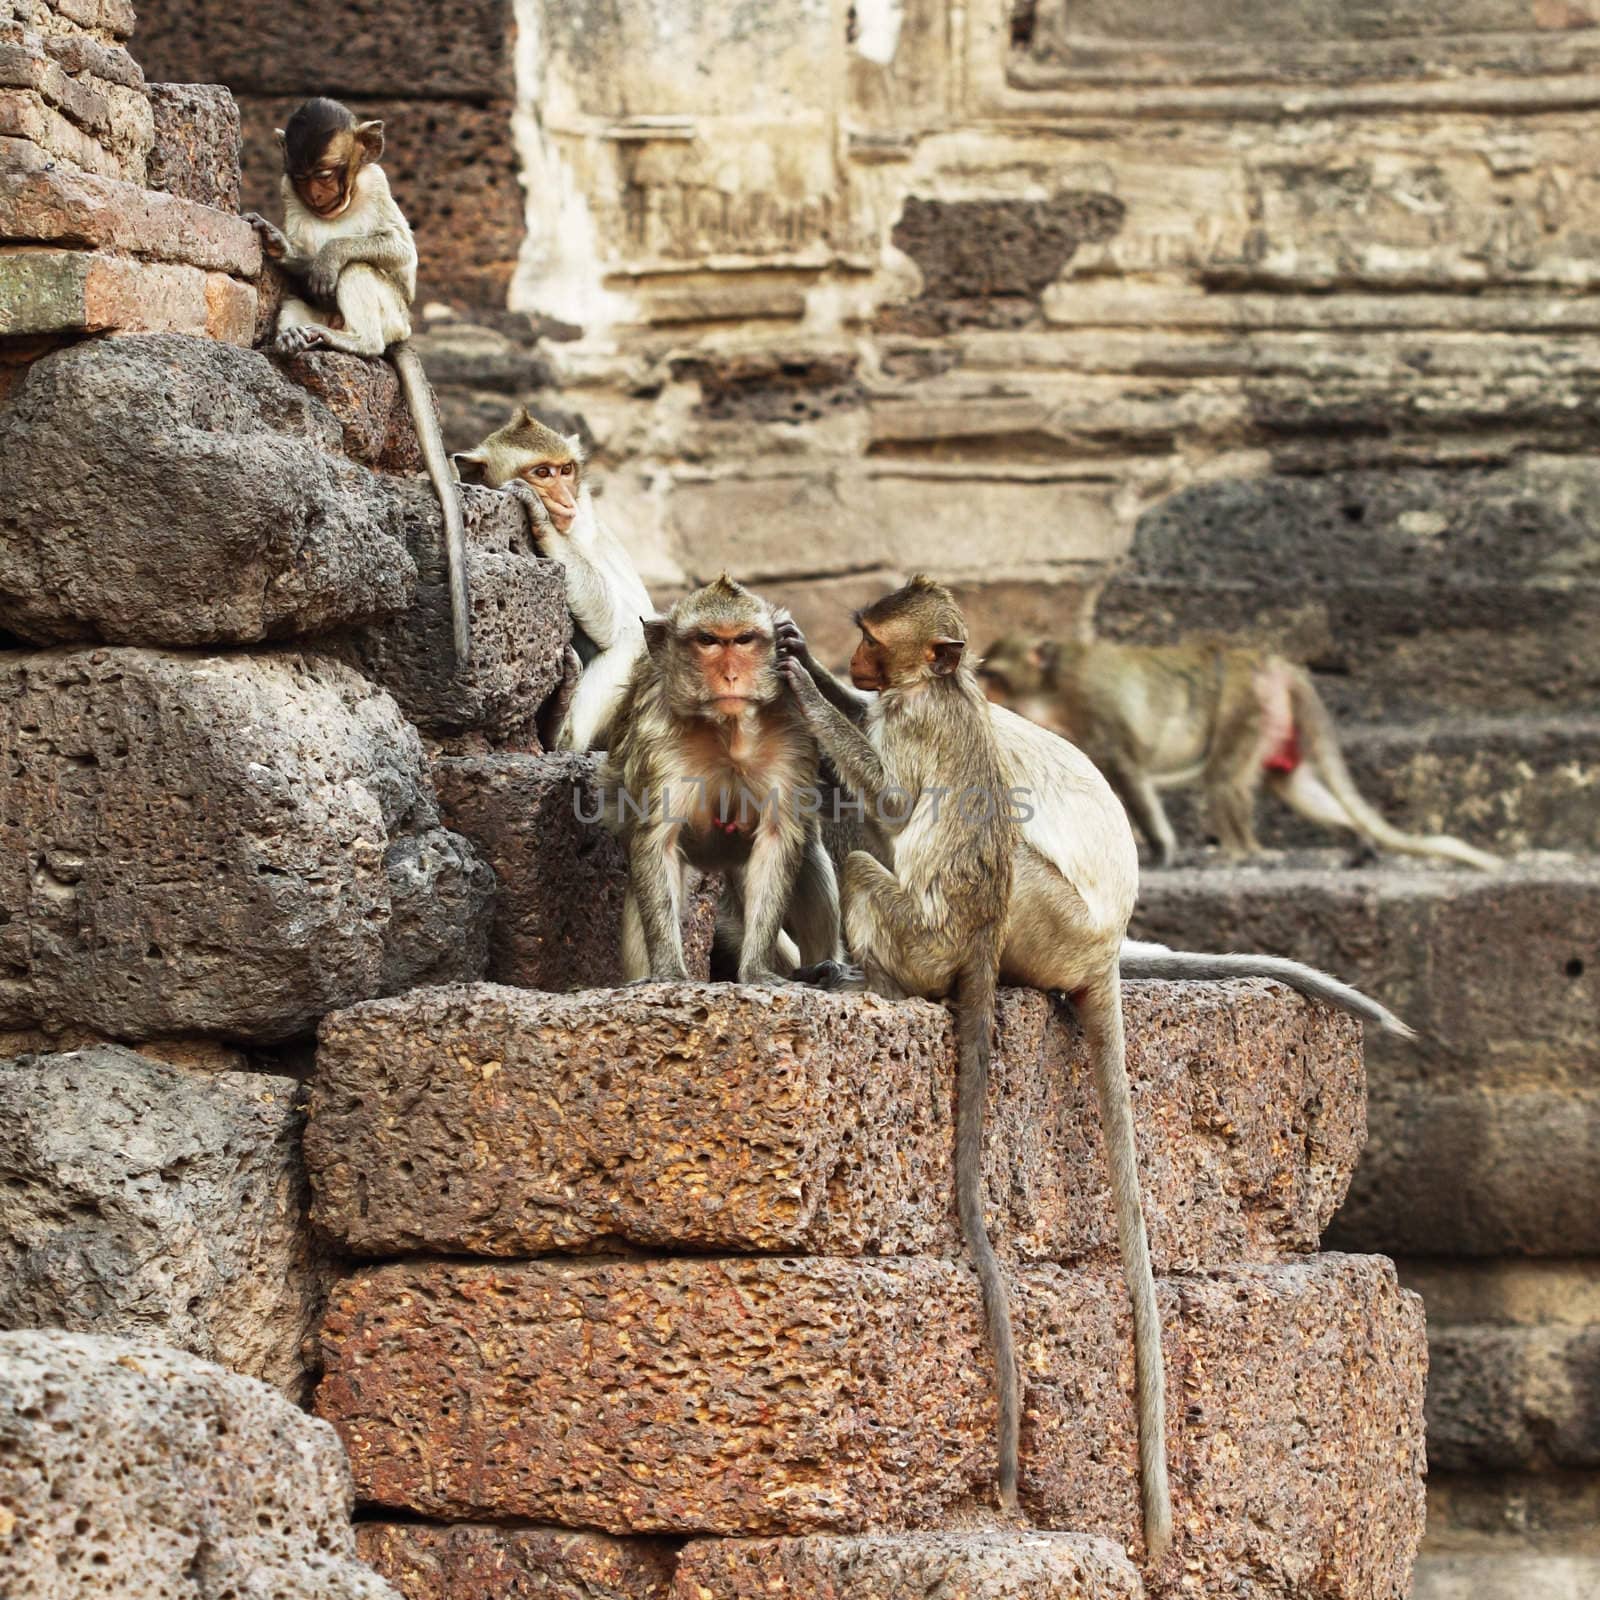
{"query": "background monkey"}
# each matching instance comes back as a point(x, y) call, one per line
point(936, 921)
point(604, 593)
point(1199, 712)
point(710, 765)
point(346, 244)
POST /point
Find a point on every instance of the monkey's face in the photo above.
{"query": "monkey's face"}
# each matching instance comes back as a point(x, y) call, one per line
point(324, 164)
point(734, 664)
point(1010, 670)
point(869, 666)
point(899, 656)
point(555, 481)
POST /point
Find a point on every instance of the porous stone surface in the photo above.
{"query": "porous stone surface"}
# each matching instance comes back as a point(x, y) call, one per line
point(725, 1118)
point(820, 1395)
point(146, 1200)
point(1479, 1172)
point(563, 877)
point(365, 396)
point(196, 149)
point(75, 291)
point(520, 623)
point(58, 206)
point(176, 491)
point(954, 1566)
point(130, 1469)
point(476, 1562)
point(228, 846)
point(1429, 941)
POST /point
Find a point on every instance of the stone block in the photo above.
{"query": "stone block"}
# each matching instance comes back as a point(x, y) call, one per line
point(366, 397)
point(803, 1396)
point(152, 1201)
point(131, 1470)
point(226, 846)
point(1485, 1172)
point(73, 291)
point(1510, 1399)
point(721, 1118)
point(1430, 942)
point(417, 52)
point(197, 143)
point(1507, 1575)
point(558, 916)
point(62, 207)
point(1013, 1565)
point(520, 623)
point(178, 491)
point(1443, 588)
point(477, 1562)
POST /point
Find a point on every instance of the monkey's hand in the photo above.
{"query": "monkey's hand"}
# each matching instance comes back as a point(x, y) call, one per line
point(322, 278)
point(804, 688)
point(787, 637)
point(538, 515)
point(273, 241)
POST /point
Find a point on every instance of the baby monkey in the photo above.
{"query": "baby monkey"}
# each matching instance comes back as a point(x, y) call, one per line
point(348, 248)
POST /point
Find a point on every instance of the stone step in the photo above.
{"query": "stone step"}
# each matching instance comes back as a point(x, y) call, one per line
point(1430, 589)
point(1513, 1575)
point(794, 1396)
point(1434, 943)
point(218, 845)
point(468, 1561)
point(484, 1120)
point(1504, 784)
point(558, 913)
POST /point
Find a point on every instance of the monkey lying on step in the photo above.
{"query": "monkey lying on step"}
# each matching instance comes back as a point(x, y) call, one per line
point(1230, 719)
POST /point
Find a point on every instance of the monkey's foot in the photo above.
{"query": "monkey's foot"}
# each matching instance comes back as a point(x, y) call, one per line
point(297, 340)
point(838, 977)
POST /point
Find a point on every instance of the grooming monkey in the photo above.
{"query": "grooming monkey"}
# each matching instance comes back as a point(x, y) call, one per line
point(604, 593)
point(711, 765)
point(935, 922)
point(348, 246)
point(1227, 718)
point(1074, 881)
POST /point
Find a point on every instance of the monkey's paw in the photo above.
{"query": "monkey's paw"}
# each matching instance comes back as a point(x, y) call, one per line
point(834, 976)
point(787, 637)
point(297, 340)
point(273, 243)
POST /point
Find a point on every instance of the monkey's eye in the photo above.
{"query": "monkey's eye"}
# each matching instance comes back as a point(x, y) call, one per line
point(567, 469)
point(706, 640)
point(745, 638)
point(541, 472)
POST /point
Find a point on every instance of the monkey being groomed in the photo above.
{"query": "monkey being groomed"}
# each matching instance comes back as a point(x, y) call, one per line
point(710, 765)
point(1227, 718)
point(348, 248)
point(608, 602)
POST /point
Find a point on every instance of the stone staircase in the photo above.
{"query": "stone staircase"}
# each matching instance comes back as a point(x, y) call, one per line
point(1480, 1176)
point(725, 1304)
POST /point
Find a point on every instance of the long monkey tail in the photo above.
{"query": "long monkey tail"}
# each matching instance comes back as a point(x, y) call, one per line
point(975, 997)
point(1100, 1012)
point(1157, 961)
point(1311, 719)
point(419, 401)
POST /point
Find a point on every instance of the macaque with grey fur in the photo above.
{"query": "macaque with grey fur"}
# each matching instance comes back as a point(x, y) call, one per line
point(348, 247)
point(608, 602)
point(1228, 718)
point(710, 766)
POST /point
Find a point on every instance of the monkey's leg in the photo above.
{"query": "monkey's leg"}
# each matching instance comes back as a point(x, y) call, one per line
point(655, 889)
point(373, 313)
point(900, 951)
point(776, 853)
point(814, 906)
point(596, 696)
point(1233, 815)
point(559, 708)
point(1143, 804)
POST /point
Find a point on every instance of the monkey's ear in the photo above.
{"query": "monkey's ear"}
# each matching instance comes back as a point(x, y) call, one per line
point(471, 466)
point(282, 138)
point(655, 634)
point(574, 442)
point(369, 135)
point(944, 655)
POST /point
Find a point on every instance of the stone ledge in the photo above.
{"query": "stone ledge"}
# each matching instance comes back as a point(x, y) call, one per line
point(58, 206)
point(716, 1117)
point(472, 1561)
point(933, 1566)
point(805, 1396)
point(74, 291)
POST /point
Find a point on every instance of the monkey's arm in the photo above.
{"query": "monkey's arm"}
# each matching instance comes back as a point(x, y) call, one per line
point(858, 764)
point(388, 249)
point(843, 697)
point(589, 596)
point(276, 247)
